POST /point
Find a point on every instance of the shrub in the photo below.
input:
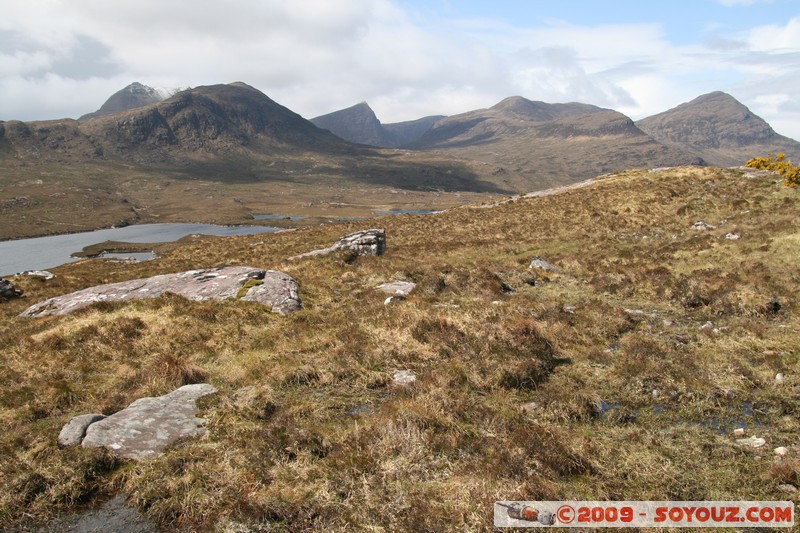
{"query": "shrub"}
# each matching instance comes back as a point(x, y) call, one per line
point(790, 172)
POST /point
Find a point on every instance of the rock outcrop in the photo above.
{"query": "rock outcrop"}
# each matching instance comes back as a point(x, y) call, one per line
point(268, 287)
point(74, 431)
point(368, 242)
point(148, 425)
point(8, 290)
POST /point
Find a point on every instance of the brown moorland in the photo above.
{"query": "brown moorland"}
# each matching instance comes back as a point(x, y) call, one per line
point(652, 342)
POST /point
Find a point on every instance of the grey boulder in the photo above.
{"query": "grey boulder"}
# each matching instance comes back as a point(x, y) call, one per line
point(268, 287)
point(370, 242)
point(148, 425)
point(8, 290)
point(366, 242)
point(73, 431)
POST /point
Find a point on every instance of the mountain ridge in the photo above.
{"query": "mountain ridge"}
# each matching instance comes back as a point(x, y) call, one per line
point(718, 128)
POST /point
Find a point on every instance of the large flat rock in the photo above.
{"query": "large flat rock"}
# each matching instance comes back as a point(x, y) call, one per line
point(268, 287)
point(148, 425)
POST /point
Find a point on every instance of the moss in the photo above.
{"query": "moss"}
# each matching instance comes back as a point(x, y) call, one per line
point(249, 284)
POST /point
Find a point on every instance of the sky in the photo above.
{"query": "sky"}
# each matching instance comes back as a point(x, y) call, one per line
point(406, 58)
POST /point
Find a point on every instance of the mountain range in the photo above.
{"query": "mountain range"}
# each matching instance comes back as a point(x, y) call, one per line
point(235, 134)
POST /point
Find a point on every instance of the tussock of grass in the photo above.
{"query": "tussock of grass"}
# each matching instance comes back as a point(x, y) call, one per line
point(636, 397)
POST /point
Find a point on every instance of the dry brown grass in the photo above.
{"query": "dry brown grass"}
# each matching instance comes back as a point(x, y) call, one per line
point(308, 430)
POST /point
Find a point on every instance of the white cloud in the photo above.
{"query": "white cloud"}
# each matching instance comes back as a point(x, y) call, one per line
point(317, 56)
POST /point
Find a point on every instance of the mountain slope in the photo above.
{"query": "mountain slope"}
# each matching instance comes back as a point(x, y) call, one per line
point(406, 133)
point(718, 128)
point(359, 124)
point(133, 96)
point(537, 145)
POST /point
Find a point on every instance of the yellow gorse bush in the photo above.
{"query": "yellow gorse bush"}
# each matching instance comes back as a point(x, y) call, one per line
point(790, 172)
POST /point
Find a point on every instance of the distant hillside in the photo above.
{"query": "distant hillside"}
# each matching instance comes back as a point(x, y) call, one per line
point(133, 96)
point(538, 145)
point(718, 128)
point(191, 126)
point(216, 154)
point(359, 124)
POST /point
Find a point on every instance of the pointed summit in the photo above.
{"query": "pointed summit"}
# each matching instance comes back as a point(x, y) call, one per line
point(719, 128)
point(356, 124)
point(133, 96)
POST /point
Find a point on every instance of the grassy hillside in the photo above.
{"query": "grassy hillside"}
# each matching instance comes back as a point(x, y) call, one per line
point(637, 393)
point(64, 197)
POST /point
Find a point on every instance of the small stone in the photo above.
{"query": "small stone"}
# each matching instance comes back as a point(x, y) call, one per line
point(751, 442)
point(668, 323)
point(732, 236)
point(541, 264)
point(73, 431)
point(781, 450)
point(729, 394)
point(399, 288)
point(404, 377)
point(708, 326)
point(391, 299)
point(41, 274)
point(787, 488)
point(529, 407)
point(701, 226)
point(779, 378)
point(738, 432)
point(569, 309)
point(655, 393)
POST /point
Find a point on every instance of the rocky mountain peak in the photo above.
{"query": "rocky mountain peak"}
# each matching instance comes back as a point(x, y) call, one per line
point(131, 97)
point(719, 128)
point(356, 124)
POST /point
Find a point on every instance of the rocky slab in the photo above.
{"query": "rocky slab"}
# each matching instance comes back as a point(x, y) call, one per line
point(148, 425)
point(268, 287)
